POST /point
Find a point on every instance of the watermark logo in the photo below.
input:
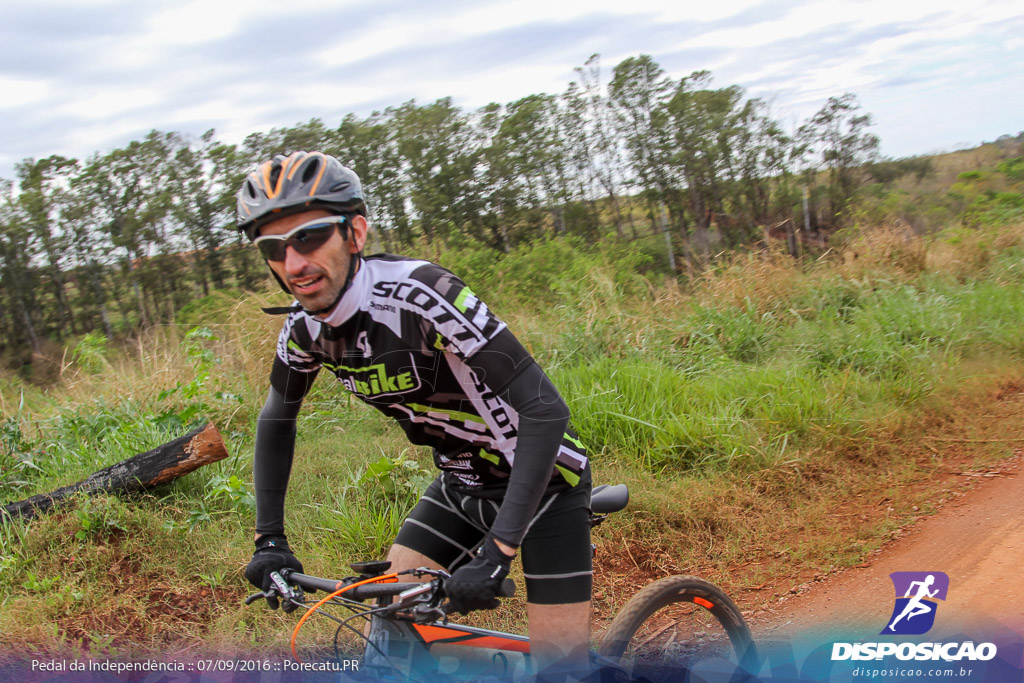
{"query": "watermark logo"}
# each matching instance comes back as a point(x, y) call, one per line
point(917, 602)
point(917, 596)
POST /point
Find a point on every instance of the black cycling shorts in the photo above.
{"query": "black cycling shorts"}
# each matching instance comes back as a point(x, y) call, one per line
point(448, 526)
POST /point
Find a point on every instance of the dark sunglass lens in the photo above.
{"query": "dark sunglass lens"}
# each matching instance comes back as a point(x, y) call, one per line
point(272, 250)
point(311, 239)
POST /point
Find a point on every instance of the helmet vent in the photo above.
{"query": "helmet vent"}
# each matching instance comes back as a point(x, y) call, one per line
point(310, 170)
point(250, 189)
point(338, 187)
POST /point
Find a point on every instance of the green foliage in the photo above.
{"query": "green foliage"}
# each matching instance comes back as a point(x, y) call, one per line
point(995, 209)
point(18, 454)
point(395, 478)
point(196, 401)
point(741, 334)
point(888, 171)
point(90, 353)
point(231, 491)
point(37, 585)
point(212, 309)
point(361, 518)
point(1012, 169)
point(549, 271)
point(98, 517)
point(224, 495)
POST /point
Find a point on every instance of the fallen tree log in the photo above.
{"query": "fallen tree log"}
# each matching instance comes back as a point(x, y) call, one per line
point(138, 473)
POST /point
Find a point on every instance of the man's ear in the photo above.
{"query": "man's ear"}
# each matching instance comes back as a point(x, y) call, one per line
point(359, 229)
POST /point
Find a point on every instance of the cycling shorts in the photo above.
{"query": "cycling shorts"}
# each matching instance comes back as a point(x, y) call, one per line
point(447, 526)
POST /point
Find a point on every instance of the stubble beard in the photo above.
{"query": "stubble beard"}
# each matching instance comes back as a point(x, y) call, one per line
point(332, 283)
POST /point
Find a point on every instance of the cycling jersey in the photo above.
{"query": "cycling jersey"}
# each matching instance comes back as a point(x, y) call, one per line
point(413, 341)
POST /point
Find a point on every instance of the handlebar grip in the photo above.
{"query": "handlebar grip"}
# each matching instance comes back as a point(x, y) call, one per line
point(314, 582)
point(507, 589)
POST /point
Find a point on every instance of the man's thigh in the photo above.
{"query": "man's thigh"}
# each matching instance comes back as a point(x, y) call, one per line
point(556, 552)
point(435, 530)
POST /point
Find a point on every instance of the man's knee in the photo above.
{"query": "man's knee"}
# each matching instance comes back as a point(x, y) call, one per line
point(402, 558)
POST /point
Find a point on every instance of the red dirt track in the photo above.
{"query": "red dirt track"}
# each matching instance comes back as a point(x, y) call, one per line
point(977, 539)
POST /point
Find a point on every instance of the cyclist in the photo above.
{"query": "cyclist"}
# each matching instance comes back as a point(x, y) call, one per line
point(412, 340)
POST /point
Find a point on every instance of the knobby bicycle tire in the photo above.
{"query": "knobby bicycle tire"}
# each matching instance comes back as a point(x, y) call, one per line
point(675, 620)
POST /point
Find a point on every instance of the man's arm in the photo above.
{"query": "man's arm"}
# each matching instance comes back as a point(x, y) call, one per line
point(275, 445)
point(543, 419)
point(272, 464)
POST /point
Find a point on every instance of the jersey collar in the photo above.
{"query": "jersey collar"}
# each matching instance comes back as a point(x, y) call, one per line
point(351, 301)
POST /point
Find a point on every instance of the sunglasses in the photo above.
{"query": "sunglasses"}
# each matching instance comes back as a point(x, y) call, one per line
point(304, 239)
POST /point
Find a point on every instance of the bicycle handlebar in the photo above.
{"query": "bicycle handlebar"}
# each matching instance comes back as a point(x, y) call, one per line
point(372, 591)
point(360, 593)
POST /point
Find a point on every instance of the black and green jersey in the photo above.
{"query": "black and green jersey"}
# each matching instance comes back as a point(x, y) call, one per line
point(412, 340)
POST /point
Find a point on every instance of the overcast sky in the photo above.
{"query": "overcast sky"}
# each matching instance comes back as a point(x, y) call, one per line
point(80, 76)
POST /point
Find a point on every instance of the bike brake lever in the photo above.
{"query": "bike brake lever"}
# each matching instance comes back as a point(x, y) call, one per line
point(279, 589)
point(281, 586)
point(291, 599)
point(256, 596)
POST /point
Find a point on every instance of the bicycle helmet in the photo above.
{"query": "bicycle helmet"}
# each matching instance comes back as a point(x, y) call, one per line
point(298, 182)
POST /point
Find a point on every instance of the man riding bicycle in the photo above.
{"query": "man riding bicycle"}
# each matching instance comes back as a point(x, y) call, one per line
point(412, 340)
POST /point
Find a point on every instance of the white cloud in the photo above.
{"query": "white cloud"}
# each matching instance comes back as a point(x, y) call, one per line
point(194, 22)
point(20, 91)
point(110, 103)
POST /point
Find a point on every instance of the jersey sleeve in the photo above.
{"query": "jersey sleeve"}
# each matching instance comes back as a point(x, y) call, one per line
point(295, 343)
point(459, 323)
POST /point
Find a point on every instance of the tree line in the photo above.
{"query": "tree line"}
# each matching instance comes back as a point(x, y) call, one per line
point(123, 240)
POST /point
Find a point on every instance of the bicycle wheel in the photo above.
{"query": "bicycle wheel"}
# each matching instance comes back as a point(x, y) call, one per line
point(675, 622)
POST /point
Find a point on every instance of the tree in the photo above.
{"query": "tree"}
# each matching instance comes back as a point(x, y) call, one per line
point(837, 141)
point(87, 263)
point(522, 164)
point(702, 121)
point(43, 187)
point(18, 280)
point(435, 142)
point(132, 199)
point(370, 147)
point(638, 91)
point(605, 157)
point(204, 179)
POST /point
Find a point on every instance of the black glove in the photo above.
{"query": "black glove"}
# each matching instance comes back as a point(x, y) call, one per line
point(272, 555)
point(476, 584)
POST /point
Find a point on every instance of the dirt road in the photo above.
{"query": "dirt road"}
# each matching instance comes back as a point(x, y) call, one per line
point(977, 540)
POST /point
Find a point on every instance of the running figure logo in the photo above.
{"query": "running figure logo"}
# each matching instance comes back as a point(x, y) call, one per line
point(916, 596)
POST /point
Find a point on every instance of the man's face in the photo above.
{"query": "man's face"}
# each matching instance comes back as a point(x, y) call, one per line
point(315, 279)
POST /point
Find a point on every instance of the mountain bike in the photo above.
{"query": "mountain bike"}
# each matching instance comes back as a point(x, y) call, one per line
point(674, 623)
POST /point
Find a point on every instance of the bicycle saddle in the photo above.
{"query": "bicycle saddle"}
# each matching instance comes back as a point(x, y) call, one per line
point(606, 498)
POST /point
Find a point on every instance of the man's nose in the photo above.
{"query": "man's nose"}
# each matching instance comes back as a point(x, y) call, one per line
point(294, 262)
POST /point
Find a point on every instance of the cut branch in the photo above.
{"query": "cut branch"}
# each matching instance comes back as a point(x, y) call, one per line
point(138, 473)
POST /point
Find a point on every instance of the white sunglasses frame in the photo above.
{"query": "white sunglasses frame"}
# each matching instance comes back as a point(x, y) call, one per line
point(336, 220)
